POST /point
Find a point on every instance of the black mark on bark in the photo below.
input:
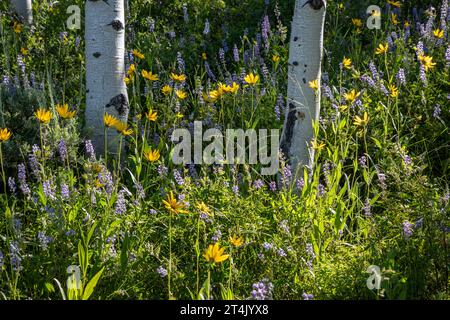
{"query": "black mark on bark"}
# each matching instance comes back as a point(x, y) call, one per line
point(315, 4)
point(286, 142)
point(116, 25)
point(120, 103)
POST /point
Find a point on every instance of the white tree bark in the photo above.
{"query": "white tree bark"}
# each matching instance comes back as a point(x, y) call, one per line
point(105, 69)
point(305, 61)
point(24, 10)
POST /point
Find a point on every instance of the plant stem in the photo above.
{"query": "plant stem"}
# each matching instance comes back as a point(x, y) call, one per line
point(169, 273)
point(197, 248)
point(105, 135)
point(230, 281)
point(142, 148)
point(42, 150)
point(119, 156)
point(209, 283)
point(3, 170)
point(253, 110)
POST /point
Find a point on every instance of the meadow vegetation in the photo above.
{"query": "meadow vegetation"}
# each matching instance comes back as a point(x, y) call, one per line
point(140, 227)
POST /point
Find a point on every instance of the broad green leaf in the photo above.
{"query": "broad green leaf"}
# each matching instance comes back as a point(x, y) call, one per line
point(91, 285)
point(91, 232)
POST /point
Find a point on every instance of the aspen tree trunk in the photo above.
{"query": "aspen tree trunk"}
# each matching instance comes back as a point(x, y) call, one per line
point(24, 10)
point(105, 69)
point(303, 103)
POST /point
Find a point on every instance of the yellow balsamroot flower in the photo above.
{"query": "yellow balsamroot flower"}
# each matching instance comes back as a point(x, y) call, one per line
point(17, 27)
point(173, 205)
point(152, 155)
point(352, 95)
point(208, 98)
point(138, 54)
point(347, 63)
point(223, 89)
point(407, 24)
point(427, 62)
point(131, 69)
point(234, 88)
point(149, 75)
point(214, 254)
point(314, 84)
point(24, 51)
point(151, 116)
point(212, 96)
point(361, 122)
point(251, 79)
point(357, 22)
point(5, 135)
point(202, 207)
point(393, 91)
point(228, 88)
point(166, 89)
point(122, 128)
point(438, 33)
point(276, 58)
point(396, 4)
point(236, 241)
point(394, 19)
point(44, 116)
point(109, 120)
point(181, 94)
point(215, 94)
point(127, 132)
point(317, 145)
point(382, 49)
point(120, 125)
point(127, 80)
point(178, 77)
point(64, 112)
